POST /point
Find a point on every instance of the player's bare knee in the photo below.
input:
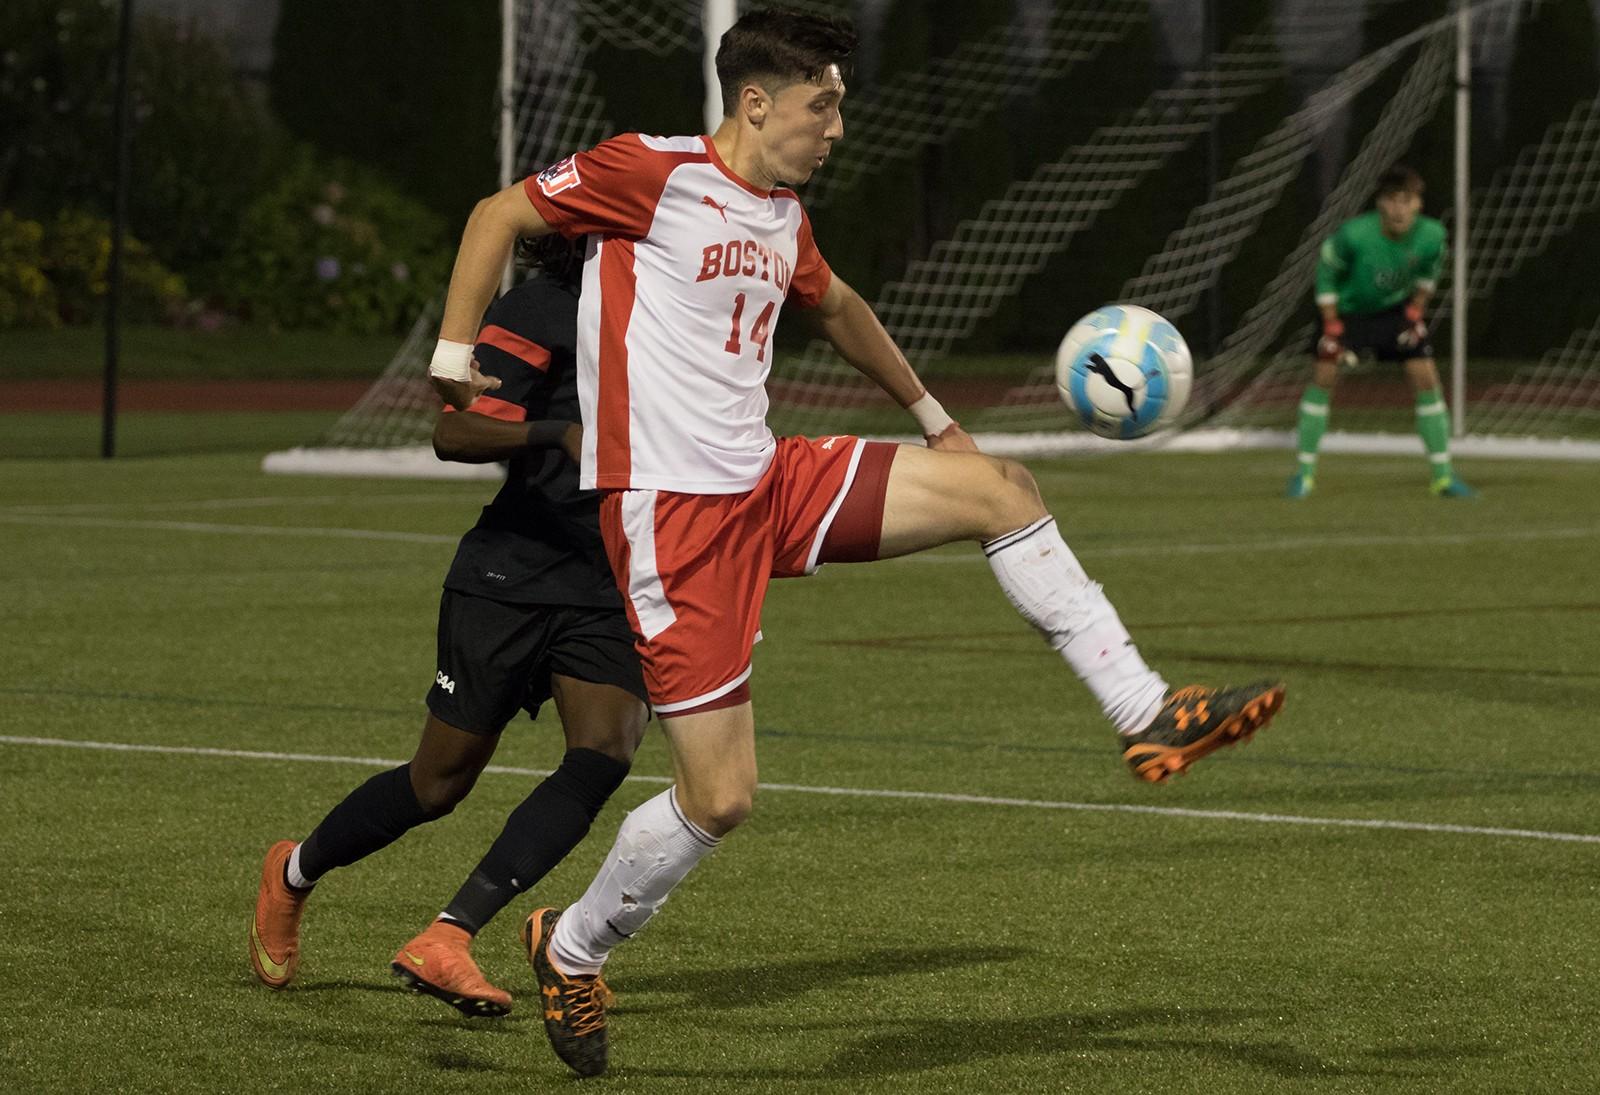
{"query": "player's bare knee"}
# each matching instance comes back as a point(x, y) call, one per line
point(1014, 500)
point(438, 795)
point(721, 813)
point(616, 738)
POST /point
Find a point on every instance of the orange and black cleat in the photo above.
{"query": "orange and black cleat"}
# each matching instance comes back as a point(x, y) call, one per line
point(438, 963)
point(574, 1007)
point(275, 928)
point(1197, 721)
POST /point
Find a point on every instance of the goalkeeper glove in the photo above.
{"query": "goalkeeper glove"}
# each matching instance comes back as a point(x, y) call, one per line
point(1331, 345)
point(1416, 331)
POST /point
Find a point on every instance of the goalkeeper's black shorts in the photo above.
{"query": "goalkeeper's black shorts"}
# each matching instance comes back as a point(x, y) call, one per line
point(1377, 334)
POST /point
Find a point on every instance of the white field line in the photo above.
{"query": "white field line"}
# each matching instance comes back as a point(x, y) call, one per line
point(1282, 543)
point(231, 530)
point(865, 792)
point(262, 502)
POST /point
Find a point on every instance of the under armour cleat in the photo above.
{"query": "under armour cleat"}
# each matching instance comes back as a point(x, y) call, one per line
point(1449, 486)
point(275, 928)
point(574, 1011)
point(439, 963)
point(1196, 721)
point(1300, 485)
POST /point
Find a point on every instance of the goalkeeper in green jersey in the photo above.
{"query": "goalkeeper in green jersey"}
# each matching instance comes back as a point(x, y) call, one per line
point(1374, 277)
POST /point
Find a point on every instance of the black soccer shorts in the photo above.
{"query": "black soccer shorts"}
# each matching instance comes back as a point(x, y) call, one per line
point(1377, 333)
point(495, 658)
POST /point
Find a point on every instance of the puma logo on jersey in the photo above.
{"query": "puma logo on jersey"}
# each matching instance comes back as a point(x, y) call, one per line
point(720, 207)
point(829, 443)
point(745, 258)
point(445, 683)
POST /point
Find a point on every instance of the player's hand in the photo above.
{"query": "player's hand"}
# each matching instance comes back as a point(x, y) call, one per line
point(1330, 347)
point(461, 393)
point(952, 439)
point(1415, 334)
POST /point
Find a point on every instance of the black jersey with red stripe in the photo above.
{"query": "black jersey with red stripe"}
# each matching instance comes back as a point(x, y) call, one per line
point(539, 541)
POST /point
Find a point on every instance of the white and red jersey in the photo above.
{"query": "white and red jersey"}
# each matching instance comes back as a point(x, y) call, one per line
point(687, 270)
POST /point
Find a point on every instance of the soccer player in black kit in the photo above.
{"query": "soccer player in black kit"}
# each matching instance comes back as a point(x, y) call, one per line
point(530, 612)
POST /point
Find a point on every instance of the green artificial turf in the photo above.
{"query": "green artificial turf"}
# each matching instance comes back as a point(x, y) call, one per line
point(1296, 915)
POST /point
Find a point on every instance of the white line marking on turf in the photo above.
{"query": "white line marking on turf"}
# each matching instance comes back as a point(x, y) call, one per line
point(235, 530)
point(1280, 544)
point(863, 792)
point(265, 501)
point(1287, 543)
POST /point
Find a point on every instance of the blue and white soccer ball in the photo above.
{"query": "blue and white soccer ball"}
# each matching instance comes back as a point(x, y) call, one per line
point(1124, 371)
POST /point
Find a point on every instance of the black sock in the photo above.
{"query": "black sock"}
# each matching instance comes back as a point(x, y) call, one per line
point(373, 816)
point(547, 825)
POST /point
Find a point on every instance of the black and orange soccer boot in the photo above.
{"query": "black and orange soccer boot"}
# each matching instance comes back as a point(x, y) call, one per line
point(438, 963)
point(574, 1007)
point(1196, 721)
point(275, 928)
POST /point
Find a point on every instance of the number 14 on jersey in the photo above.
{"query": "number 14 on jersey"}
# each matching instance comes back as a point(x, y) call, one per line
point(759, 331)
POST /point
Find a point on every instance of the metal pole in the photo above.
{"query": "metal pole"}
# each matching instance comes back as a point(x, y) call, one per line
point(121, 140)
point(716, 17)
point(508, 119)
point(1458, 287)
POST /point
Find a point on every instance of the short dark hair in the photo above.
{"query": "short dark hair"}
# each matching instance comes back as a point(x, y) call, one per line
point(556, 258)
point(776, 47)
point(1400, 179)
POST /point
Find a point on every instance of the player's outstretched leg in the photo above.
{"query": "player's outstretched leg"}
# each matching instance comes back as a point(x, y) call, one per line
point(275, 928)
point(1195, 721)
point(438, 963)
point(935, 498)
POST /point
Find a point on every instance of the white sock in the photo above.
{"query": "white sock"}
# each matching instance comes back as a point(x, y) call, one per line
point(292, 871)
point(656, 847)
point(1044, 581)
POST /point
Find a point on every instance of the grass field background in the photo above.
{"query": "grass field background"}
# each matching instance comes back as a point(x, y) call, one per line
point(1297, 915)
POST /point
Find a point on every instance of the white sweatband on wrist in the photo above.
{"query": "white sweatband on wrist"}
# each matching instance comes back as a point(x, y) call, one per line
point(451, 361)
point(930, 416)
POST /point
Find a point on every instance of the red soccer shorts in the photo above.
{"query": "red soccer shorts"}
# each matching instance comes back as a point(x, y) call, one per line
point(694, 568)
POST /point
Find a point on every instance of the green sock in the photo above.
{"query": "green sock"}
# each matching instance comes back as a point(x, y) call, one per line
point(1313, 422)
point(1433, 426)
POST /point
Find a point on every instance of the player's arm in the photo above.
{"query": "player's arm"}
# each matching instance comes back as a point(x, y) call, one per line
point(1427, 279)
point(493, 229)
point(848, 322)
point(467, 437)
point(1333, 266)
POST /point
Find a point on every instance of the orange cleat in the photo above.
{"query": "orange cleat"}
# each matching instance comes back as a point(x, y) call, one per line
point(439, 963)
point(574, 1007)
point(1197, 721)
point(275, 929)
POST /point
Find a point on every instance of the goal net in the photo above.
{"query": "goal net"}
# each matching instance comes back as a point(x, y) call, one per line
point(1203, 192)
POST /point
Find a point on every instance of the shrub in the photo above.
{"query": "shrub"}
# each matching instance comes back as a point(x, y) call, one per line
point(335, 247)
point(55, 273)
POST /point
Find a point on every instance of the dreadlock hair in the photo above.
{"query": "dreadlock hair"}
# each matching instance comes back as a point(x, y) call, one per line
point(777, 47)
point(555, 258)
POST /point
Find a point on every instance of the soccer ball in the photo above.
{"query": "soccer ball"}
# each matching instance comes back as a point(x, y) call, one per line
point(1124, 371)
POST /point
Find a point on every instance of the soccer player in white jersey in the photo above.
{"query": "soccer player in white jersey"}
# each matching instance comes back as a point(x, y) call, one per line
point(695, 247)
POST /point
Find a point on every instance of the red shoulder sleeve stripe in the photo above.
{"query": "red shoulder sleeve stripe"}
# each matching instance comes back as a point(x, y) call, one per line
point(490, 407)
point(525, 350)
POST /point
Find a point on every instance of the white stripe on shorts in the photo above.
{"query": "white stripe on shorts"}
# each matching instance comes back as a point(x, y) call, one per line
point(715, 694)
point(833, 510)
point(645, 591)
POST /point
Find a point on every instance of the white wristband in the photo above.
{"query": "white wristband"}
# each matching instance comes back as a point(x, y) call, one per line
point(451, 361)
point(930, 416)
